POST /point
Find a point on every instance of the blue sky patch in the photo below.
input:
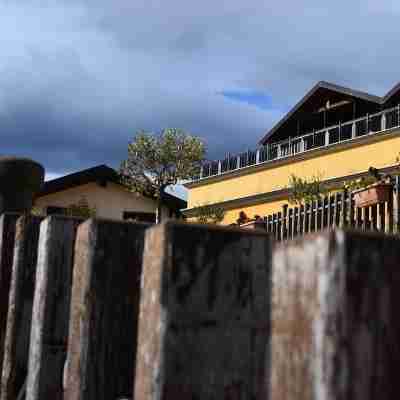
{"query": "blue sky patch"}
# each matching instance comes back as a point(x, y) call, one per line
point(252, 97)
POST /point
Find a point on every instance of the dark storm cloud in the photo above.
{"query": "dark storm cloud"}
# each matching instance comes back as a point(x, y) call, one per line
point(78, 78)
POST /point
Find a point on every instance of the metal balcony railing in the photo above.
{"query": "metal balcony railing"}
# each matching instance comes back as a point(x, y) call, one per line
point(330, 136)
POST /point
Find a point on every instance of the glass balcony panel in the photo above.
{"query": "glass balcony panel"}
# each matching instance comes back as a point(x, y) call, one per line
point(232, 163)
point(295, 146)
point(308, 142)
point(225, 165)
point(214, 168)
point(374, 123)
point(206, 170)
point(251, 157)
point(361, 127)
point(345, 131)
point(334, 135)
point(264, 154)
point(285, 150)
point(273, 152)
point(391, 119)
point(319, 139)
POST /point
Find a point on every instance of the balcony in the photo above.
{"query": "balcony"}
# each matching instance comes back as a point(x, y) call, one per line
point(330, 136)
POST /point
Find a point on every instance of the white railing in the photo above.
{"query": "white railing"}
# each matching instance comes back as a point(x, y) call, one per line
point(330, 136)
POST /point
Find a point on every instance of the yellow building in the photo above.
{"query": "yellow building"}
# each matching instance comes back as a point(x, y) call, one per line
point(334, 132)
point(101, 188)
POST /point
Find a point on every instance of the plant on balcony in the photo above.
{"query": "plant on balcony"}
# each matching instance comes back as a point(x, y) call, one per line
point(243, 218)
point(303, 190)
point(370, 190)
point(209, 214)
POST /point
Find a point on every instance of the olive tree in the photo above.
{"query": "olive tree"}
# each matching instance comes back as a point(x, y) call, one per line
point(156, 161)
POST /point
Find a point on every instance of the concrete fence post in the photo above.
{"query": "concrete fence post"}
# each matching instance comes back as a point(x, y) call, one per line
point(51, 305)
point(204, 314)
point(335, 323)
point(104, 310)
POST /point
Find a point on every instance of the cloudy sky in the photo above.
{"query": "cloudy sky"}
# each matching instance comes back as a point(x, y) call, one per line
point(79, 78)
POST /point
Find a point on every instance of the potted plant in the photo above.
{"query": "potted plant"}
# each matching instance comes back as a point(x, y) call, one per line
point(373, 189)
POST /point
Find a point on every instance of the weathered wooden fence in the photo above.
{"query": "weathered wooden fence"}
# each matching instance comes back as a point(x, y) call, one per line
point(99, 310)
point(334, 210)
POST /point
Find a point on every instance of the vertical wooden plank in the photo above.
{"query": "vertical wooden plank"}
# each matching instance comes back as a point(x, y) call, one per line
point(342, 214)
point(7, 241)
point(309, 216)
point(387, 217)
point(284, 223)
point(280, 223)
point(105, 297)
point(211, 343)
point(51, 304)
point(267, 223)
point(316, 216)
point(379, 216)
point(298, 222)
point(363, 218)
point(351, 206)
point(396, 204)
point(15, 360)
point(370, 218)
point(358, 217)
point(323, 212)
point(329, 215)
point(294, 216)
point(335, 210)
point(304, 218)
point(274, 226)
point(347, 319)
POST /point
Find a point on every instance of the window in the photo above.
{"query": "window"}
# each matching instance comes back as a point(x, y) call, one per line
point(139, 216)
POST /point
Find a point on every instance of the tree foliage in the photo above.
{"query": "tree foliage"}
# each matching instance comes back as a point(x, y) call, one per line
point(156, 161)
point(304, 190)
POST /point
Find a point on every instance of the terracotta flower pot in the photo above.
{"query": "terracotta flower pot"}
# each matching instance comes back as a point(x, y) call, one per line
point(373, 194)
point(20, 179)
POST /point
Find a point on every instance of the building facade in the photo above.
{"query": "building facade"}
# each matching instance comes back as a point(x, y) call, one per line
point(333, 132)
point(101, 188)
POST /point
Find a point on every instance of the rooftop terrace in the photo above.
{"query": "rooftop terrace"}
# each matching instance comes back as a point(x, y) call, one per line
point(330, 136)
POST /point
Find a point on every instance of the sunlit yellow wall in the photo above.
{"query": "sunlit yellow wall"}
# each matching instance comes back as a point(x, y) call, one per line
point(345, 161)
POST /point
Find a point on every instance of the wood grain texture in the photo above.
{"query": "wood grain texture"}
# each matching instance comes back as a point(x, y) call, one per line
point(51, 305)
point(16, 349)
point(104, 310)
point(335, 321)
point(7, 240)
point(204, 315)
